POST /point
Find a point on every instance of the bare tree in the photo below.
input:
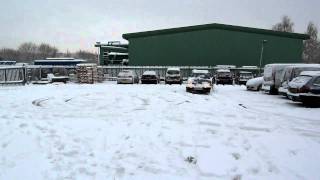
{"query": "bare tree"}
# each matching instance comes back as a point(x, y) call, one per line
point(286, 25)
point(45, 51)
point(28, 51)
point(311, 53)
point(86, 55)
point(9, 54)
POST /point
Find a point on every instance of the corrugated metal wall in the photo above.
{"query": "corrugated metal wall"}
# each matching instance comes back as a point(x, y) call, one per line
point(212, 47)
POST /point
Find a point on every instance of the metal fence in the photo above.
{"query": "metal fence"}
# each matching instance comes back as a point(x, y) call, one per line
point(31, 73)
point(12, 75)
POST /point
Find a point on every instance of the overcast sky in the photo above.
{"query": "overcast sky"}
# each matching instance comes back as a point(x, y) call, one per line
point(78, 24)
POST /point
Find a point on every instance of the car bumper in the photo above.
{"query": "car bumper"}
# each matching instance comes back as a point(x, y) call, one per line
point(173, 80)
point(252, 88)
point(224, 81)
point(125, 81)
point(304, 96)
point(198, 89)
point(283, 91)
point(149, 81)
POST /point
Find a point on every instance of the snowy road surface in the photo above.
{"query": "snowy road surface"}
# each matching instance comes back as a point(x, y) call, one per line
point(109, 131)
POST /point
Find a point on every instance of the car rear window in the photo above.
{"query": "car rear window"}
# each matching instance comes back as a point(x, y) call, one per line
point(173, 72)
point(124, 74)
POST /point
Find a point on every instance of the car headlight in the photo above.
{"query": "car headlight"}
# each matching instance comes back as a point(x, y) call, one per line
point(190, 85)
point(206, 85)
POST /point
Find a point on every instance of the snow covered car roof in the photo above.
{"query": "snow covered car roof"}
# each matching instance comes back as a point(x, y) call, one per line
point(310, 73)
point(255, 81)
point(196, 71)
point(223, 70)
point(173, 69)
point(245, 72)
point(249, 67)
point(153, 73)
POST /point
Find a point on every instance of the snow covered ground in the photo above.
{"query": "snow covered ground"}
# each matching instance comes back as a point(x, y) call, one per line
point(109, 131)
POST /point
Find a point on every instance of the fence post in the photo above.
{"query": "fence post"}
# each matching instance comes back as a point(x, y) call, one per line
point(5, 75)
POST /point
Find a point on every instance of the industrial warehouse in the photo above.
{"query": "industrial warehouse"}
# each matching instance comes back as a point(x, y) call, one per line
point(205, 45)
point(205, 102)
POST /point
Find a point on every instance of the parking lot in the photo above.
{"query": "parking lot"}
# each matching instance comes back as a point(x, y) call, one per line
point(109, 131)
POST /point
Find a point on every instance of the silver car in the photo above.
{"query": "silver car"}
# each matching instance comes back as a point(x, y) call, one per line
point(127, 77)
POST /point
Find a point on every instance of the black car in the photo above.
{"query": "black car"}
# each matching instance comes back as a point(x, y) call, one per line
point(224, 76)
point(305, 88)
point(149, 77)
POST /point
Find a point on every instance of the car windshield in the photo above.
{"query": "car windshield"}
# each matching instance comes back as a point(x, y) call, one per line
point(202, 75)
point(224, 74)
point(246, 75)
point(201, 80)
point(173, 72)
point(125, 74)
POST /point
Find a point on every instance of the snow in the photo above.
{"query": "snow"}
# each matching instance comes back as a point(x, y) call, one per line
point(109, 131)
point(173, 69)
point(150, 73)
point(255, 81)
point(299, 81)
point(197, 71)
point(223, 71)
point(310, 73)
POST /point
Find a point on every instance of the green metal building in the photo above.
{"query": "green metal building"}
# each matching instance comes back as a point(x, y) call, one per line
point(112, 53)
point(214, 44)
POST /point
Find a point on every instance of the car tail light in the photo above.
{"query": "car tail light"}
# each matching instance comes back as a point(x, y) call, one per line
point(304, 89)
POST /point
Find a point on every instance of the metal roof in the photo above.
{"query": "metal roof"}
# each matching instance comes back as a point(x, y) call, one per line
point(215, 26)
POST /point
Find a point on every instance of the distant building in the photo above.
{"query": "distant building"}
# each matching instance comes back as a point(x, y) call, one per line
point(213, 44)
point(59, 62)
point(2, 62)
point(113, 53)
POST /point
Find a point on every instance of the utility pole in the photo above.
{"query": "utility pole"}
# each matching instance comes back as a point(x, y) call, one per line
point(261, 56)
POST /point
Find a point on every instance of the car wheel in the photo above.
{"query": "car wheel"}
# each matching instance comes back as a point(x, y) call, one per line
point(259, 87)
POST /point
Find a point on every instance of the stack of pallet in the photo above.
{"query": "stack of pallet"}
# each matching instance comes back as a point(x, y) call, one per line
point(100, 74)
point(87, 73)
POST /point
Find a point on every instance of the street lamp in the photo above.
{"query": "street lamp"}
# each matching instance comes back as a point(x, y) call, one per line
point(261, 55)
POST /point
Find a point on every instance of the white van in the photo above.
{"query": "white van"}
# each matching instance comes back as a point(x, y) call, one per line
point(272, 77)
point(173, 76)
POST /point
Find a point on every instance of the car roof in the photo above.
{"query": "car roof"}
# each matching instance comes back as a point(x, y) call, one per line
point(223, 70)
point(245, 72)
point(126, 71)
point(149, 73)
point(200, 71)
point(173, 69)
point(310, 73)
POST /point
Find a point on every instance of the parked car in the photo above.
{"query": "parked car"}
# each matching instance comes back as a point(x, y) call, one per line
point(205, 74)
point(254, 84)
point(305, 88)
point(272, 77)
point(173, 76)
point(291, 72)
point(243, 77)
point(149, 77)
point(127, 77)
point(199, 84)
point(224, 76)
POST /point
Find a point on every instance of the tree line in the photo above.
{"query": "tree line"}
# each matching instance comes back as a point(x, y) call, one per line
point(311, 47)
point(28, 52)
